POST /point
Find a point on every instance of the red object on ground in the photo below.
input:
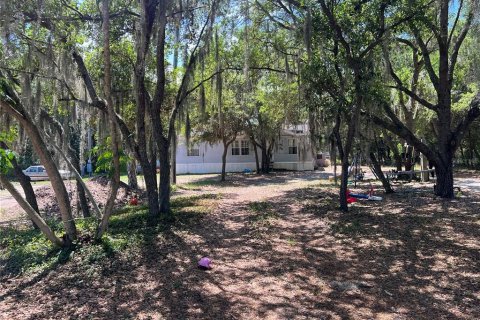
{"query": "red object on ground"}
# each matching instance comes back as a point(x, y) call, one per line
point(134, 201)
point(350, 199)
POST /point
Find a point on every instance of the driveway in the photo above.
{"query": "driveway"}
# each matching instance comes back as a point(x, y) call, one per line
point(9, 208)
point(471, 184)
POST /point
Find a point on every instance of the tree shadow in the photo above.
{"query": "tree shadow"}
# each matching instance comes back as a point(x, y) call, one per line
point(292, 255)
point(252, 179)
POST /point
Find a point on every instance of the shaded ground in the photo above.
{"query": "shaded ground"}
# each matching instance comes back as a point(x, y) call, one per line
point(281, 250)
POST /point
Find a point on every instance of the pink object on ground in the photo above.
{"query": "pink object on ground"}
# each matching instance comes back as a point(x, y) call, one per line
point(204, 263)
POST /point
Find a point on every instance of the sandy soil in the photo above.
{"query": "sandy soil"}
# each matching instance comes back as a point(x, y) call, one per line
point(12, 213)
point(410, 256)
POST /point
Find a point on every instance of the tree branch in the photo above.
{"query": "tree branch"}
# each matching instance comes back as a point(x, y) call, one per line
point(460, 6)
point(384, 30)
point(400, 86)
point(459, 40)
point(182, 89)
point(275, 20)
point(426, 57)
point(101, 105)
point(462, 127)
point(407, 42)
point(336, 28)
point(398, 128)
point(32, 214)
point(287, 10)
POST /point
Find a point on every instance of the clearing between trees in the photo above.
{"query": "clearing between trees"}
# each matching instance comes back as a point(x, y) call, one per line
point(280, 247)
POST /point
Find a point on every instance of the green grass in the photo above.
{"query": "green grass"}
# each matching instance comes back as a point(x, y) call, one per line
point(193, 185)
point(263, 215)
point(26, 251)
point(347, 228)
point(260, 206)
point(197, 185)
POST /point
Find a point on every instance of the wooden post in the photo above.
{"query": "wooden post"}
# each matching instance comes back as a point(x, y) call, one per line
point(425, 175)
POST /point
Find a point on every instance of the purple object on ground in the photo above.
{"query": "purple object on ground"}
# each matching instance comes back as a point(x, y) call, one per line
point(204, 263)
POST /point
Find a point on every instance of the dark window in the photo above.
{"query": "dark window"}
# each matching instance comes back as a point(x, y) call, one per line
point(193, 151)
point(292, 146)
point(245, 147)
point(235, 148)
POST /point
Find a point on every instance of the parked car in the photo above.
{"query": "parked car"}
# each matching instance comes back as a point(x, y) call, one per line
point(37, 173)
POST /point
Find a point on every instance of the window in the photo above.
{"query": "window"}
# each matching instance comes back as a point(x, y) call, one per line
point(41, 169)
point(292, 146)
point(245, 147)
point(193, 151)
point(235, 148)
point(241, 147)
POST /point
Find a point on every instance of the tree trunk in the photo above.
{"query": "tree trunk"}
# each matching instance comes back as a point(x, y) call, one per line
point(142, 41)
point(132, 174)
point(79, 180)
point(80, 190)
point(33, 215)
point(19, 113)
point(269, 155)
point(224, 160)
point(378, 171)
point(333, 156)
point(173, 156)
point(344, 185)
point(115, 181)
point(444, 184)
point(82, 198)
point(257, 162)
point(164, 186)
point(408, 158)
point(445, 153)
point(349, 138)
point(398, 160)
point(150, 176)
point(27, 188)
point(265, 161)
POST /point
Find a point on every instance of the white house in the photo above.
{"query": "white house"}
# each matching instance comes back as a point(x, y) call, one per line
point(292, 151)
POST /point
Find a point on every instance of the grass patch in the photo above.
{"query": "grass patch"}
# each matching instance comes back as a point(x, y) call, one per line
point(260, 206)
point(197, 185)
point(263, 216)
point(26, 251)
point(195, 200)
point(347, 228)
point(189, 210)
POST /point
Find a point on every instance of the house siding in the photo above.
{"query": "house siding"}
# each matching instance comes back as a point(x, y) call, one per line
point(209, 159)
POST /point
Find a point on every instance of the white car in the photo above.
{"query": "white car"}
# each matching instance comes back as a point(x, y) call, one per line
point(37, 173)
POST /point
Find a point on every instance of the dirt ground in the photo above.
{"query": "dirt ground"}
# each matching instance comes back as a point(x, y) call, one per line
point(12, 213)
point(281, 250)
